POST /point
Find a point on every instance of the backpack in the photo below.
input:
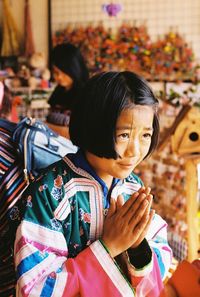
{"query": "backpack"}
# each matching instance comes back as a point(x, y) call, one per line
point(38, 146)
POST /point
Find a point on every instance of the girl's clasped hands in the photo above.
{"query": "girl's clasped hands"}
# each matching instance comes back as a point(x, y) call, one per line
point(127, 222)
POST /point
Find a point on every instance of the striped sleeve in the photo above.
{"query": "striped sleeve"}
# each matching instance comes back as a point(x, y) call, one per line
point(12, 184)
point(40, 255)
point(43, 268)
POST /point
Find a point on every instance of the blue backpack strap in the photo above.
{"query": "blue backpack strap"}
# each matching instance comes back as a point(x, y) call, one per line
point(9, 126)
point(25, 136)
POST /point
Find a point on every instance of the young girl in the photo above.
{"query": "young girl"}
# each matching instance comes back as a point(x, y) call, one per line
point(70, 73)
point(88, 227)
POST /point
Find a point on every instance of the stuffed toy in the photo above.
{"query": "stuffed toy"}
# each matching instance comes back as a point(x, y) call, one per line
point(40, 74)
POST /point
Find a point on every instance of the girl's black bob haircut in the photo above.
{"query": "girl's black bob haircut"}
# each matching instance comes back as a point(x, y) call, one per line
point(94, 117)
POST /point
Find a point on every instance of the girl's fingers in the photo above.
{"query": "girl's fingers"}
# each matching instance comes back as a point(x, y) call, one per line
point(141, 212)
point(148, 191)
point(150, 200)
point(120, 201)
point(142, 228)
point(136, 204)
point(141, 190)
point(151, 215)
point(112, 208)
point(148, 222)
point(128, 204)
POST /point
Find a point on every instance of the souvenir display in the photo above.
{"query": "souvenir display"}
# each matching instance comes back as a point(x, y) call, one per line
point(130, 47)
point(172, 58)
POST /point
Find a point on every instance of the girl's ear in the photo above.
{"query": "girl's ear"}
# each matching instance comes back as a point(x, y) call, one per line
point(1, 93)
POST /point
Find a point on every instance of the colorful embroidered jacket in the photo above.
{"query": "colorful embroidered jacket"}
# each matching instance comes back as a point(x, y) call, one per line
point(57, 247)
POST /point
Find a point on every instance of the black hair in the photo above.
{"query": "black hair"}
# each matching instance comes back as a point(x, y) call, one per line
point(94, 117)
point(69, 59)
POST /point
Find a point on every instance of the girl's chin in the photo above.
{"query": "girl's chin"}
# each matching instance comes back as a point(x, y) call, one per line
point(123, 175)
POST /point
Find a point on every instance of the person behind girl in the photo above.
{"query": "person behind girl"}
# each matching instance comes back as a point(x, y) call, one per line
point(70, 74)
point(12, 184)
point(88, 227)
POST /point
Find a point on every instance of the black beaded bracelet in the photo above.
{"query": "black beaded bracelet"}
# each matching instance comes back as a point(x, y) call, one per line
point(141, 255)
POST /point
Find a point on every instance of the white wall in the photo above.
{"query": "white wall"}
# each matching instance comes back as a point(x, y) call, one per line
point(39, 17)
point(159, 15)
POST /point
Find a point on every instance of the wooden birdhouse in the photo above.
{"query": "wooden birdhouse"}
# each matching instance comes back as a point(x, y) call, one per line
point(185, 142)
point(184, 134)
point(186, 137)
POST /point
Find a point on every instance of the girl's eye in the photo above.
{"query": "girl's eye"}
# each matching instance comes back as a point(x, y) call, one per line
point(123, 136)
point(147, 135)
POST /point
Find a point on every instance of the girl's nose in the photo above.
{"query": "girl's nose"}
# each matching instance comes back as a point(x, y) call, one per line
point(133, 148)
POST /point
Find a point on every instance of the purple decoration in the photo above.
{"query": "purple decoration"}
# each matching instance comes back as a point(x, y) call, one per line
point(112, 9)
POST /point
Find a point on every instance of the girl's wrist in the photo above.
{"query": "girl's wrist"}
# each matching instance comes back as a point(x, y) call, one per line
point(107, 248)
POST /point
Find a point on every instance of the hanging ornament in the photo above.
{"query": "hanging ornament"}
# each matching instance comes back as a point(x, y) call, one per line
point(29, 42)
point(10, 40)
point(112, 9)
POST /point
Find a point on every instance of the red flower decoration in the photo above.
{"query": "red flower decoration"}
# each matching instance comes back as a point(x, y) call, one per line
point(87, 217)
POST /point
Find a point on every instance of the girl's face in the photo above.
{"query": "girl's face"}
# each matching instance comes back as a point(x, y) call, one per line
point(134, 131)
point(62, 78)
